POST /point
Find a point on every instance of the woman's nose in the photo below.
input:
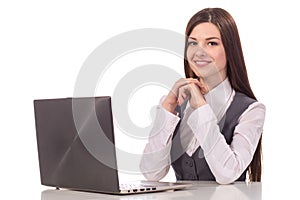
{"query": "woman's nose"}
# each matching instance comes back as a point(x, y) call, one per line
point(200, 51)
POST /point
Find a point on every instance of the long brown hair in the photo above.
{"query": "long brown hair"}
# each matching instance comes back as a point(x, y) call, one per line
point(236, 68)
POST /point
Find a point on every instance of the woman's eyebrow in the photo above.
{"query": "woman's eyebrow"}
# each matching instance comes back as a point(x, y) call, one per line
point(192, 38)
point(209, 38)
point(213, 38)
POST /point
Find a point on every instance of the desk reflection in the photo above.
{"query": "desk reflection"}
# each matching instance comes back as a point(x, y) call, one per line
point(200, 190)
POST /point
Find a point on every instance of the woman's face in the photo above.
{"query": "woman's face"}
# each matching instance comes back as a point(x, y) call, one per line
point(205, 52)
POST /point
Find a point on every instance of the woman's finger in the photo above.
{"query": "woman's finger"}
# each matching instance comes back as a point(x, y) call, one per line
point(203, 87)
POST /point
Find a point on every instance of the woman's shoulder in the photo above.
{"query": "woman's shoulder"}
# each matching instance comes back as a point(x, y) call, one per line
point(241, 97)
point(242, 100)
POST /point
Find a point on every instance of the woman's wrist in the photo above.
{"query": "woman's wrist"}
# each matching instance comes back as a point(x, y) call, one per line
point(169, 106)
point(198, 104)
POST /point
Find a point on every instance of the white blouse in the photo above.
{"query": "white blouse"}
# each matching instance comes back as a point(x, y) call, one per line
point(200, 127)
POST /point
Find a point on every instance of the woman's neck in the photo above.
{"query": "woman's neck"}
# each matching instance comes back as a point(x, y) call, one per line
point(213, 81)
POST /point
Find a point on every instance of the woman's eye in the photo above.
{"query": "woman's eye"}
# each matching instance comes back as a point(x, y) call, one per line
point(192, 43)
point(212, 44)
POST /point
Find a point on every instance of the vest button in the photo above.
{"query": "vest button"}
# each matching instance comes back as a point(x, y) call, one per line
point(189, 163)
point(191, 176)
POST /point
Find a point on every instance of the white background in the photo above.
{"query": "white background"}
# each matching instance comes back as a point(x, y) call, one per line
point(43, 45)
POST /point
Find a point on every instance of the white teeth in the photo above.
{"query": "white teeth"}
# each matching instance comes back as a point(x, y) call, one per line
point(201, 62)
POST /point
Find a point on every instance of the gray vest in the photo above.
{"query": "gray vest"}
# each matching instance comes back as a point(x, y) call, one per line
point(196, 167)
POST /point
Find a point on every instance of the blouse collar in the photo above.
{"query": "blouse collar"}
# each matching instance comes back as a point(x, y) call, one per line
point(219, 97)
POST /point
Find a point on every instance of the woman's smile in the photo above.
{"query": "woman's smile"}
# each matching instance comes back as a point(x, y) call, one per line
point(202, 62)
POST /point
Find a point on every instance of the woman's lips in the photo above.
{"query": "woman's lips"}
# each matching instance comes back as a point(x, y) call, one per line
point(202, 63)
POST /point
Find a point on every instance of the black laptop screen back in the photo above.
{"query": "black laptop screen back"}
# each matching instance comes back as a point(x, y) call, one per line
point(76, 143)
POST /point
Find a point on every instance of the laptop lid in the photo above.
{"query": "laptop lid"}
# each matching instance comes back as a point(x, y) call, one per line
point(76, 147)
point(75, 142)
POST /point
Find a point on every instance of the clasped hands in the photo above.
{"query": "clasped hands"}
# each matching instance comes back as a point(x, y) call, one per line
point(186, 88)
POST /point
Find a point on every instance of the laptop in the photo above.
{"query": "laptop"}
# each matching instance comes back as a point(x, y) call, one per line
point(76, 147)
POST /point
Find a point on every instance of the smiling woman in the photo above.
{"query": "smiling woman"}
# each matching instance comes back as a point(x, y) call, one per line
point(212, 121)
point(206, 54)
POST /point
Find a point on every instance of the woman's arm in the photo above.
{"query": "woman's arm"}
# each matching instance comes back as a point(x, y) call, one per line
point(155, 162)
point(228, 162)
point(156, 159)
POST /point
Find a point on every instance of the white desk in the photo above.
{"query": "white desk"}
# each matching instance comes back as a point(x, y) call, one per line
point(201, 190)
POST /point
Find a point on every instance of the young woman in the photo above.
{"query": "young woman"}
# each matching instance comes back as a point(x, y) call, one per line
point(210, 124)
